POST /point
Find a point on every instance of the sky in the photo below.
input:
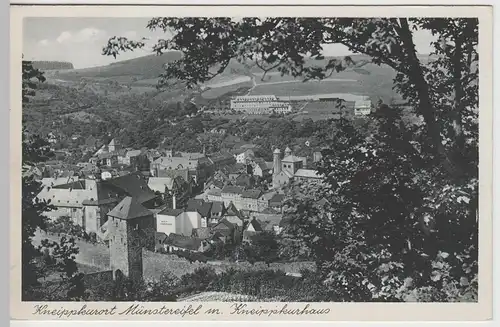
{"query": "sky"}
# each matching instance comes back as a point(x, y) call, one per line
point(80, 40)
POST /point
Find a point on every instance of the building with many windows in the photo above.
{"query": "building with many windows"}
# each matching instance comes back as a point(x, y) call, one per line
point(259, 104)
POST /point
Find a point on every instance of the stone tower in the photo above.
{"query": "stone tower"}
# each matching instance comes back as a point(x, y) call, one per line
point(131, 227)
point(276, 162)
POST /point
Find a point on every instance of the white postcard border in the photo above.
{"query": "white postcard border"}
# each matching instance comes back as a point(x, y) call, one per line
point(338, 311)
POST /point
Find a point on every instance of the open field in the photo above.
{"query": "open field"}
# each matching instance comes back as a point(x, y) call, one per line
point(217, 92)
point(308, 88)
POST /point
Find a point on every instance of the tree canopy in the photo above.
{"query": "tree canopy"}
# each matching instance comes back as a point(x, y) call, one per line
point(49, 257)
point(401, 219)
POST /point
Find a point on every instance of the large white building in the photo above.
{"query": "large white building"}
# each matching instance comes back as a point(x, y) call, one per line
point(177, 221)
point(259, 104)
point(362, 107)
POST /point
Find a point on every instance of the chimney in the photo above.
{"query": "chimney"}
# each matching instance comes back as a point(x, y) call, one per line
point(174, 202)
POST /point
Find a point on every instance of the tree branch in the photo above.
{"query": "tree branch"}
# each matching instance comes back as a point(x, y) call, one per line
point(425, 106)
point(456, 60)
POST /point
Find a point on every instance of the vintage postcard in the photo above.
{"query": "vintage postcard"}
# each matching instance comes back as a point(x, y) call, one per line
point(251, 163)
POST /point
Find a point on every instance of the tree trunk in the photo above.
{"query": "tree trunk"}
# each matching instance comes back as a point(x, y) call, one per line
point(425, 107)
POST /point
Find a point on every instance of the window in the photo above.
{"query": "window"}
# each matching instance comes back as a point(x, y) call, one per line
point(121, 239)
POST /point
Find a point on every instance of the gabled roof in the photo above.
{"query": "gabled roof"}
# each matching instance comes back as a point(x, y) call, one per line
point(292, 158)
point(133, 153)
point(308, 173)
point(217, 207)
point(220, 156)
point(232, 189)
point(233, 169)
point(243, 177)
point(76, 185)
point(134, 185)
point(200, 206)
point(268, 196)
point(221, 233)
point(171, 212)
point(192, 155)
point(236, 220)
point(129, 208)
point(160, 236)
point(277, 198)
point(218, 184)
point(173, 173)
point(261, 163)
point(224, 223)
point(159, 183)
point(251, 194)
point(285, 173)
point(214, 192)
point(184, 242)
point(233, 211)
point(255, 224)
point(362, 104)
point(121, 152)
point(106, 155)
point(194, 203)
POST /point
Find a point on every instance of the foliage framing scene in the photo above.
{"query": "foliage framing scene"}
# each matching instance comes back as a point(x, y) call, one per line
point(375, 198)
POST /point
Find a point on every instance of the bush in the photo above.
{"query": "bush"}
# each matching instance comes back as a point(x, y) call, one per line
point(271, 284)
point(64, 225)
point(190, 256)
point(198, 281)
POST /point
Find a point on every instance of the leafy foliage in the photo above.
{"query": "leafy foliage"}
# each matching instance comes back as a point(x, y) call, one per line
point(399, 194)
point(50, 257)
point(262, 246)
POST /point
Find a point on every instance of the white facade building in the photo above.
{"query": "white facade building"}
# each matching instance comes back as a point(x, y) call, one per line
point(177, 221)
point(362, 107)
point(259, 104)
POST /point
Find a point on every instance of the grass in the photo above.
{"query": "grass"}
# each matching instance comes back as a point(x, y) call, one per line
point(217, 92)
point(219, 297)
point(307, 88)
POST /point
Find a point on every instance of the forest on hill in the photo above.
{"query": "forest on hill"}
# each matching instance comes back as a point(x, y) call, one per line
point(52, 65)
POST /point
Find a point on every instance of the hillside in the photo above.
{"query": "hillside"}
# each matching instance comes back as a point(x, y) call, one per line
point(104, 100)
point(52, 65)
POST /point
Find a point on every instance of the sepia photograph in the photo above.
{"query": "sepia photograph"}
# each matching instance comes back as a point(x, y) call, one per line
point(247, 159)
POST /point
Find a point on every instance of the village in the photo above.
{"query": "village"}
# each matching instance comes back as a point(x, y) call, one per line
point(172, 202)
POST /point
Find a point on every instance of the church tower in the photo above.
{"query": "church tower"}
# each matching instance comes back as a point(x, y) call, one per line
point(130, 226)
point(276, 162)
